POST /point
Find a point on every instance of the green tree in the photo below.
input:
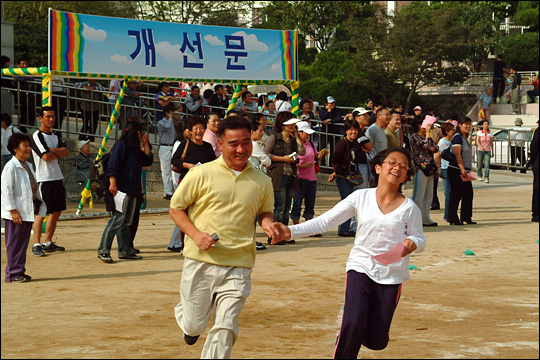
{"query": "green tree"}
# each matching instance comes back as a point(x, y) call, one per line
point(223, 13)
point(520, 50)
point(527, 14)
point(31, 22)
point(425, 45)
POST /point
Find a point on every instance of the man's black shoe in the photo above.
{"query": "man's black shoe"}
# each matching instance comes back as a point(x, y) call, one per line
point(174, 249)
point(191, 340)
point(535, 218)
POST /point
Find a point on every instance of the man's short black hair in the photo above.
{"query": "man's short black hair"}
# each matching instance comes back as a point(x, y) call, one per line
point(45, 108)
point(162, 85)
point(233, 123)
point(168, 107)
point(6, 118)
point(15, 140)
point(217, 87)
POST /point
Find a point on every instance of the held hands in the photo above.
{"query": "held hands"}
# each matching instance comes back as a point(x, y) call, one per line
point(332, 177)
point(410, 246)
point(323, 152)
point(279, 232)
point(203, 240)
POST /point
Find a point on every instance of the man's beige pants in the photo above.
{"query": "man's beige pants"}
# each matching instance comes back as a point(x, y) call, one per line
point(207, 288)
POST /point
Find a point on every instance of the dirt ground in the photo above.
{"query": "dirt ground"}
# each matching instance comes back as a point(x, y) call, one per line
point(454, 306)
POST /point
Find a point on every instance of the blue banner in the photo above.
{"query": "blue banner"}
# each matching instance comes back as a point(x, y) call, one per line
point(135, 48)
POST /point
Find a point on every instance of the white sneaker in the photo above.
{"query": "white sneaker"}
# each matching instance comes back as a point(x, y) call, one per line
point(480, 179)
point(487, 181)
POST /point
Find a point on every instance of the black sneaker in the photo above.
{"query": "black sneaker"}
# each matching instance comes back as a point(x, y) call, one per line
point(167, 197)
point(37, 250)
point(53, 247)
point(174, 249)
point(191, 340)
point(260, 246)
point(106, 258)
point(290, 241)
point(130, 257)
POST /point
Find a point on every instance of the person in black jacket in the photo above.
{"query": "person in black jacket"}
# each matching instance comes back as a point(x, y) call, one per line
point(219, 99)
point(198, 151)
point(124, 172)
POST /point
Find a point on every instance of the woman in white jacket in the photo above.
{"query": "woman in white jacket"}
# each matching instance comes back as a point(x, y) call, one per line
point(21, 200)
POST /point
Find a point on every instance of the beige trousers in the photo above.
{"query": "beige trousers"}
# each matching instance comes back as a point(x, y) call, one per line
point(207, 288)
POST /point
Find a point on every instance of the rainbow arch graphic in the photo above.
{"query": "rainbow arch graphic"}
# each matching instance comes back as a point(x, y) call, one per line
point(66, 42)
point(289, 44)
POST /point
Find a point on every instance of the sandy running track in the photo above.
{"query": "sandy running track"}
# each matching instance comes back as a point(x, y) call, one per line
point(455, 306)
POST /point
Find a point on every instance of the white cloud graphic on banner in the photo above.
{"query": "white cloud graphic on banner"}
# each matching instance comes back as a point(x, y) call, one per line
point(277, 67)
point(214, 40)
point(122, 60)
point(93, 34)
point(251, 43)
point(172, 54)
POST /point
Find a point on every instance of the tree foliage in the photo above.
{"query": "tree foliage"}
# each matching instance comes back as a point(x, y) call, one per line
point(223, 13)
point(31, 22)
point(527, 14)
point(520, 50)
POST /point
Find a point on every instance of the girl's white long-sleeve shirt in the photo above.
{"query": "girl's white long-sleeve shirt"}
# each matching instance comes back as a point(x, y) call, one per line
point(376, 233)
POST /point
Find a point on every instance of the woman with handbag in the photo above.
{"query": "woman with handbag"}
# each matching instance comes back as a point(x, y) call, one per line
point(283, 147)
point(461, 186)
point(308, 168)
point(190, 153)
point(422, 148)
point(345, 160)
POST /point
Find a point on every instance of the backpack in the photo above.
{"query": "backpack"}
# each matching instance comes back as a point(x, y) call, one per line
point(98, 181)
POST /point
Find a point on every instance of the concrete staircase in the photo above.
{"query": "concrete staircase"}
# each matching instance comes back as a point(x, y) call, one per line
point(501, 113)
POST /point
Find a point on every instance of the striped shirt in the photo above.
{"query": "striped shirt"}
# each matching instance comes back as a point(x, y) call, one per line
point(41, 142)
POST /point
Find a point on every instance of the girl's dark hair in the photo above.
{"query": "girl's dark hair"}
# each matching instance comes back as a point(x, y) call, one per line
point(415, 126)
point(446, 128)
point(6, 118)
point(15, 140)
point(255, 125)
point(233, 123)
point(379, 159)
point(194, 120)
point(282, 96)
point(463, 120)
point(131, 134)
point(351, 124)
point(281, 118)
